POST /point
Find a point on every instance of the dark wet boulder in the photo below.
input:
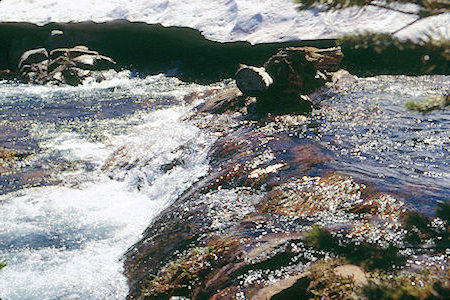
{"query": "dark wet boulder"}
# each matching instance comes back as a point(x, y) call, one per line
point(228, 99)
point(283, 103)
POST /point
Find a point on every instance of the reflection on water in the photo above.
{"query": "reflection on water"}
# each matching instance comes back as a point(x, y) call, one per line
point(378, 140)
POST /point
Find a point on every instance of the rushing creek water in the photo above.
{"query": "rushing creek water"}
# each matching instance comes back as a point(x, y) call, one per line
point(69, 211)
point(375, 138)
point(64, 241)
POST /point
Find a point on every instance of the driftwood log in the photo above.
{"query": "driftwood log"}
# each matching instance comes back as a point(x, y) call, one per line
point(301, 69)
point(291, 72)
point(252, 81)
point(62, 65)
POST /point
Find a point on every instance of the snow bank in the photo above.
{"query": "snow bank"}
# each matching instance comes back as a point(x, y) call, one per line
point(256, 21)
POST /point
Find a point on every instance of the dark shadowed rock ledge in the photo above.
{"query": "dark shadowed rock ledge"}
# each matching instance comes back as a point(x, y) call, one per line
point(185, 53)
point(146, 48)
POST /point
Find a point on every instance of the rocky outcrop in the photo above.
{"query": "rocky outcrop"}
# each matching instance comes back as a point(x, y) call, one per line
point(62, 65)
point(244, 229)
point(285, 80)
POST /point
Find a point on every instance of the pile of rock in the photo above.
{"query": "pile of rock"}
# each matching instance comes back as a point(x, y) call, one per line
point(62, 65)
point(286, 78)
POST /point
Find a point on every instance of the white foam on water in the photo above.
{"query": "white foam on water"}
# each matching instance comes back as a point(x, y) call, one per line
point(230, 20)
point(72, 146)
point(115, 82)
point(66, 241)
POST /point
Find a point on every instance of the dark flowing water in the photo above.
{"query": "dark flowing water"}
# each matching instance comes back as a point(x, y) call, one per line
point(376, 139)
point(96, 167)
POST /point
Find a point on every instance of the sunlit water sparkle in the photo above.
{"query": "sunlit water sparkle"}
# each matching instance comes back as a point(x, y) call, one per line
point(65, 241)
point(377, 140)
point(114, 154)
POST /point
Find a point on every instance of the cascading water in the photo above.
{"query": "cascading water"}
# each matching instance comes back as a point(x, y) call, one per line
point(100, 161)
point(104, 148)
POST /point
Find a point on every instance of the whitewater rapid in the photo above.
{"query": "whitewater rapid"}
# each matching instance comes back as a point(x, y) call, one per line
point(65, 241)
point(232, 20)
point(116, 153)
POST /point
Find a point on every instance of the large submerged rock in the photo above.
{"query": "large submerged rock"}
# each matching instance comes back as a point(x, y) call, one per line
point(246, 230)
point(249, 228)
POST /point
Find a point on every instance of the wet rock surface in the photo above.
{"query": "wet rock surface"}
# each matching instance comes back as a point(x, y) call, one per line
point(9, 160)
point(271, 209)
